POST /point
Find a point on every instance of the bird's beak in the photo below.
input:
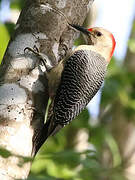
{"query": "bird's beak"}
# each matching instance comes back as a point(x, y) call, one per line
point(89, 36)
point(81, 29)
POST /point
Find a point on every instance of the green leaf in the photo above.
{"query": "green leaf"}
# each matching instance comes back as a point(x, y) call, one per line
point(31, 177)
point(131, 45)
point(5, 153)
point(4, 39)
point(17, 4)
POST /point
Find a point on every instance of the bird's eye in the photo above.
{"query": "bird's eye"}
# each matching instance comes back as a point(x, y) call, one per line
point(98, 33)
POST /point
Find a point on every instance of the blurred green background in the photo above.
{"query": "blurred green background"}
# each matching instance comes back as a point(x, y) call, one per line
point(103, 150)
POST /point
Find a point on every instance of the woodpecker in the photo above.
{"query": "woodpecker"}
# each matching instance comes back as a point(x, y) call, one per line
point(75, 80)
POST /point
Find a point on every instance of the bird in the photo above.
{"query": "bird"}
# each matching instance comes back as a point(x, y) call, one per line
point(75, 80)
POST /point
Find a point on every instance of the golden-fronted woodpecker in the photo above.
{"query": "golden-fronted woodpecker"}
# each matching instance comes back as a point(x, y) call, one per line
point(74, 81)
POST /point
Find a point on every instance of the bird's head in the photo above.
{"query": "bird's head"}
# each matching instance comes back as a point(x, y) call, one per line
point(99, 39)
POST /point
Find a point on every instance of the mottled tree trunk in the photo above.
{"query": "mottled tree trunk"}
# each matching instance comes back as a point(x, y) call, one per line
point(23, 84)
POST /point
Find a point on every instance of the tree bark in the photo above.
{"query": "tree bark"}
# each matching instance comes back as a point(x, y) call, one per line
point(23, 84)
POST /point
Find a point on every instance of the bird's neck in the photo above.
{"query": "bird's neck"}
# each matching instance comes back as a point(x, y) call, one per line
point(104, 52)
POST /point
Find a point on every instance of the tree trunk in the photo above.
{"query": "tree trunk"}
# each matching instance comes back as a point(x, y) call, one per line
point(23, 84)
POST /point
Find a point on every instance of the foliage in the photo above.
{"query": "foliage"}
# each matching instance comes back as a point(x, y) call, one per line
point(4, 38)
point(131, 44)
point(6, 29)
point(121, 83)
point(17, 4)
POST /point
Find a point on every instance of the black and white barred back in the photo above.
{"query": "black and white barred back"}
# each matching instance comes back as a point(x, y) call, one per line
point(82, 77)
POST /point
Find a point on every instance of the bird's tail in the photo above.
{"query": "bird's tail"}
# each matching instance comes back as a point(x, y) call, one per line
point(49, 129)
point(40, 138)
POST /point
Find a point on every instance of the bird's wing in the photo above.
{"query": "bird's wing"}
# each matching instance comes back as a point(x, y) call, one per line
point(82, 77)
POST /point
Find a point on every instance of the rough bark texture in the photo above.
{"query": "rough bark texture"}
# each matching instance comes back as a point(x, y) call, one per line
point(23, 86)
